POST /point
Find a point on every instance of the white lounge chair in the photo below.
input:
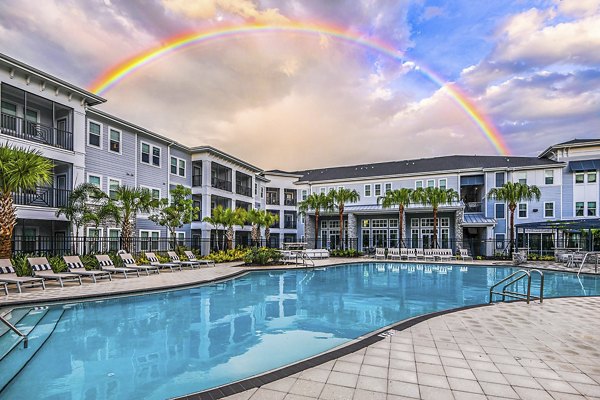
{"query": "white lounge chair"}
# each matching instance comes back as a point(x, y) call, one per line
point(380, 253)
point(8, 275)
point(41, 268)
point(428, 255)
point(193, 258)
point(464, 255)
point(129, 262)
point(106, 264)
point(394, 253)
point(153, 260)
point(420, 254)
point(411, 254)
point(176, 260)
point(75, 266)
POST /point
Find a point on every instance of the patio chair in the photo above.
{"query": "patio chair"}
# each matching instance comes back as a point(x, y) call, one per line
point(288, 257)
point(420, 254)
point(394, 253)
point(428, 255)
point(153, 260)
point(464, 255)
point(106, 264)
point(411, 254)
point(380, 253)
point(41, 268)
point(193, 258)
point(129, 262)
point(8, 275)
point(176, 260)
point(75, 266)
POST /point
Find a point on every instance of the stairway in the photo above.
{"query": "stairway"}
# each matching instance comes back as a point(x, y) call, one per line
point(38, 324)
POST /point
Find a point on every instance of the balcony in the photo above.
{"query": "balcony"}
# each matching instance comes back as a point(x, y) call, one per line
point(196, 180)
point(473, 207)
point(34, 132)
point(243, 190)
point(287, 224)
point(221, 184)
point(289, 202)
point(42, 197)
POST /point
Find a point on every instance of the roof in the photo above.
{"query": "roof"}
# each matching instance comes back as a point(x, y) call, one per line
point(90, 97)
point(478, 220)
point(569, 224)
point(225, 156)
point(570, 143)
point(278, 172)
point(423, 165)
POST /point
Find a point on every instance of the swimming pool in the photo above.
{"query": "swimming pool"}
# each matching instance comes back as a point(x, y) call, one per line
point(167, 344)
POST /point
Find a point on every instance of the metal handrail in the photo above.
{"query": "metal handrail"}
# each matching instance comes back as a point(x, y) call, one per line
point(16, 331)
point(520, 274)
point(306, 257)
point(594, 253)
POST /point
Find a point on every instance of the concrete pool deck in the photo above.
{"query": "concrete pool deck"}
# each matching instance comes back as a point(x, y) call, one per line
point(508, 350)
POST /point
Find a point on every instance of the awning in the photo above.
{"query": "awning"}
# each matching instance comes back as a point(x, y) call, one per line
point(478, 220)
point(584, 165)
point(473, 180)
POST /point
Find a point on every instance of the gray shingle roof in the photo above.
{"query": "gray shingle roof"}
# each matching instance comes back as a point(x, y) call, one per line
point(423, 165)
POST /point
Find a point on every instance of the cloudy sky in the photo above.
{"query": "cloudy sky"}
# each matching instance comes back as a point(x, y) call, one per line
point(293, 102)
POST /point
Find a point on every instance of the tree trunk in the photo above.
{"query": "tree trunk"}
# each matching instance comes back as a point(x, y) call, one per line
point(230, 235)
point(512, 208)
point(342, 226)
point(255, 234)
point(8, 221)
point(316, 229)
point(267, 236)
point(435, 228)
point(126, 235)
point(401, 225)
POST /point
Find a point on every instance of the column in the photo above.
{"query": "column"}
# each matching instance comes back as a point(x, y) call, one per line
point(458, 228)
point(352, 231)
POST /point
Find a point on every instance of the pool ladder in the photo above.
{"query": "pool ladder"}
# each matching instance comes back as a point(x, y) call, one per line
point(514, 278)
point(15, 330)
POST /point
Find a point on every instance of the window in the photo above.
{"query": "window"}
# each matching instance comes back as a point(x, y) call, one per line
point(549, 210)
point(323, 190)
point(113, 239)
point(442, 184)
point(365, 223)
point(418, 184)
point(304, 194)
point(522, 210)
point(500, 211)
point(378, 189)
point(150, 154)
point(114, 143)
point(393, 223)
point(149, 240)
point(549, 177)
point(591, 208)
point(94, 134)
point(579, 177)
point(9, 108)
point(177, 166)
point(153, 191)
point(95, 180)
point(522, 177)
point(500, 237)
point(367, 190)
point(93, 239)
point(388, 188)
point(579, 208)
point(431, 183)
point(256, 189)
point(262, 192)
point(180, 237)
point(591, 177)
point(113, 185)
point(500, 179)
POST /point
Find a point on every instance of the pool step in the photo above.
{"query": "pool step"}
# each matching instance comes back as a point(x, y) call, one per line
point(38, 332)
point(24, 320)
point(13, 316)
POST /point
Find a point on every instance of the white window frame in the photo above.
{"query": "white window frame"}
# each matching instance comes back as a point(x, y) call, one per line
point(150, 232)
point(575, 209)
point(587, 177)
point(445, 183)
point(417, 184)
point(87, 179)
point(526, 211)
point(99, 229)
point(585, 214)
point(518, 177)
point(108, 179)
point(503, 207)
point(552, 172)
point(367, 185)
point(150, 188)
point(177, 161)
point(575, 178)
point(87, 134)
point(432, 181)
point(323, 190)
point(304, 194)
point(151, 154)
point(496, 179)
point(375, 190)
point(553, 209)
point(120, 152)
point(385, 187)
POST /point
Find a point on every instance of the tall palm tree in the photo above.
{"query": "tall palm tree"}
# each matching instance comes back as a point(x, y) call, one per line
point(401, 198)
point(269, 219)
point(20, 169)
point(317, 202)
point(339, 198)
point(435, 197)
point(230, 219)
point(79, 209)
point(124, 208)
point(255, 217)
point(216, 219)
point(512, 194)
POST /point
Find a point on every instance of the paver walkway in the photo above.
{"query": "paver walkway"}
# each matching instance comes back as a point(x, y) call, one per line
point(505, 351)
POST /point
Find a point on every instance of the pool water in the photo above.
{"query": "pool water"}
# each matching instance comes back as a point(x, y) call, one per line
point(161, 345)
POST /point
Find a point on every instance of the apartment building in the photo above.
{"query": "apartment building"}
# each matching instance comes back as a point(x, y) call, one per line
point(86, 144)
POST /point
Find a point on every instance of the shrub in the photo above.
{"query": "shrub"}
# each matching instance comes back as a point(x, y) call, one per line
point(21, 265)
point(345, 253)
point(262, 256)
point(227, 255)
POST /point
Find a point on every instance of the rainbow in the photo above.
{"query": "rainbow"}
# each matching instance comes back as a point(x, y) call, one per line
point(116, 74)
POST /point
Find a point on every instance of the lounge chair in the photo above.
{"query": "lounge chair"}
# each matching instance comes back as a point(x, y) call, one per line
point(288, 257)
point(380, 253)
point(420, 255)
point(176, 260)
point(129, 262)
point(75, 266)
point(428, 254)
point(193, 258)
point(411, 255)
point(41, 268)
point(464, 255)
point(9, 275)
point(106, 264)
point(394, 253)
point(153, 260)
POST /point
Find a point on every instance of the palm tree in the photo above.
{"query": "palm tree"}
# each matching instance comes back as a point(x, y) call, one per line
point(401, 198)
point(435, 197)
point(230, 219)
point(216, 220)
point(513, 193)
point(316, 202)
point(20, 169)
point(124, 207)
point(269, 219)
point(78, 209)
point(255, 217)
point(339, 198)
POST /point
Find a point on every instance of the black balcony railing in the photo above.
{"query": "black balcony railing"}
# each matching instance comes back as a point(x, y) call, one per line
point(32, 131)
point(243, 190)
point(289, 225)
point(196, 180)
point(42, 197)
point(473, 207)
point(221, 184)
point(289, 202)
